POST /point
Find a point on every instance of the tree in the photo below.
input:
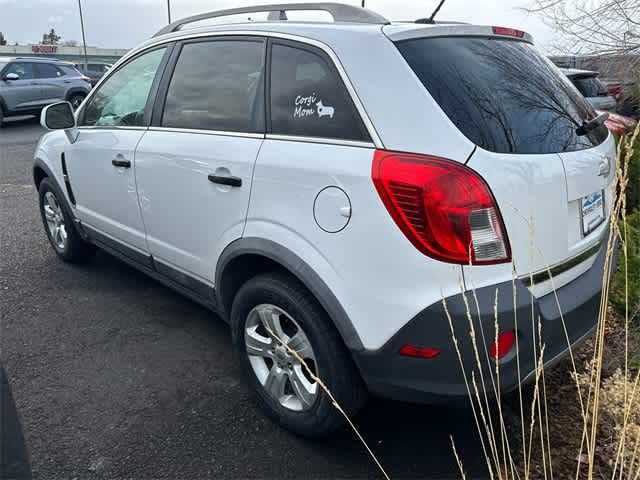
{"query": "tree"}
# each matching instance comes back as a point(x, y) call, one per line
point(592, 27)
point(3, 40)
point(50, 38)
point(605, 34)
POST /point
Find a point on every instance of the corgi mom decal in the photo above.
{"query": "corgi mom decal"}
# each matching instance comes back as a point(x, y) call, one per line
point(311, 106)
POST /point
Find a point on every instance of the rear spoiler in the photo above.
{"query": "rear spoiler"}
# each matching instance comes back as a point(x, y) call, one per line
point(400, 32)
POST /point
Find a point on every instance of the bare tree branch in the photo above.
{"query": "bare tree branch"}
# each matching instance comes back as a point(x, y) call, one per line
point(592, 27)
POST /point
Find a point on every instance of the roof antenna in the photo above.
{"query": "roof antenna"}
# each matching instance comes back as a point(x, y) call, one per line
point(431, 20)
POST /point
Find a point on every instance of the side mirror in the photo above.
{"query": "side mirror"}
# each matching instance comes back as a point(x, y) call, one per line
point(58, 116)
point(11, 76)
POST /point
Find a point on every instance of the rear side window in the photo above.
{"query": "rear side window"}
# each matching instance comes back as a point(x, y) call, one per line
point(70, 71)
point(502, 94)
point(24, 70)
point(308, 97)
point(590, 86)
point(217, 85)
point(46, 70)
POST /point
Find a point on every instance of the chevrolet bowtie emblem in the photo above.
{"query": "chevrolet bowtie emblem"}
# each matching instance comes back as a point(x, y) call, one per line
point(605, 167)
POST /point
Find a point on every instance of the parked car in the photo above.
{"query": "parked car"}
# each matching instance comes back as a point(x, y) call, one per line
point(28, 84)
point(619, 124)
point(336, 204)
point(95, 71)
point(589, 85)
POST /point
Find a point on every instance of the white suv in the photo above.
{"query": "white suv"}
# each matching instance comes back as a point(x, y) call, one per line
point(330, 183)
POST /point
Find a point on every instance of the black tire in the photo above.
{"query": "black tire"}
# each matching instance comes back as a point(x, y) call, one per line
point(1, 115)
point(75, 249)
point(76, 99)
point(333, 365)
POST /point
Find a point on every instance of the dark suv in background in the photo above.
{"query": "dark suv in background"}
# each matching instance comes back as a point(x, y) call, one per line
point(29, 84)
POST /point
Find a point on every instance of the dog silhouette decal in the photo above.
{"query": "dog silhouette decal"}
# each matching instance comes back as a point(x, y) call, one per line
point(324, 111)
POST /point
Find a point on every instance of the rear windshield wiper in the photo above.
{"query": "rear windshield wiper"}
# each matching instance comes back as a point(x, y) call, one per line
point(592, 124)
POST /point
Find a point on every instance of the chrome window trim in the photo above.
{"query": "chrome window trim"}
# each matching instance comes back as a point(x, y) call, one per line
point(553, 271)
point(262, 136)
point(110, 127)
point(377, 142)
point(325, 141)
point(202, 131)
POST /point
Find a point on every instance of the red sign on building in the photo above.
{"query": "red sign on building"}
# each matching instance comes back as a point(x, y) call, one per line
point(44, 48)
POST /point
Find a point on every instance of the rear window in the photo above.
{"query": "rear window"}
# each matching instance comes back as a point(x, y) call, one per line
point(502, 94)
point(70, 71)
point(590, 87)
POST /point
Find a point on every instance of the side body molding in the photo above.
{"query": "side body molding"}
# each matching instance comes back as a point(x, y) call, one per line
point(302, 271)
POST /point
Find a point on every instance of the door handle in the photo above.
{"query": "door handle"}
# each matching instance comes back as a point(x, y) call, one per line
point(121, 163)
point(226, 180)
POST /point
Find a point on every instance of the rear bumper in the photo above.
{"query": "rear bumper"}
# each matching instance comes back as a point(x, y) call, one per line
point(441, 379)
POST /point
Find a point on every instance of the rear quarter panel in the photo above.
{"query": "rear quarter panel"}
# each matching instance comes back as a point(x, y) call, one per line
point(376, 274)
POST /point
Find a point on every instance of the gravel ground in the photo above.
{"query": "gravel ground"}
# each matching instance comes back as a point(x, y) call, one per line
point(117, 376)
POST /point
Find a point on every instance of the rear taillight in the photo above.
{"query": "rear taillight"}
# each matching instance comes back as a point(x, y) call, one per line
point(510, 32)
point(443, 207)
point(86, 79)
point(614, 90)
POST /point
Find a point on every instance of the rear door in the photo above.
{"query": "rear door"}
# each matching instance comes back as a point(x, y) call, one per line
point(52, 83)
point(523, 115)
point(194, 167)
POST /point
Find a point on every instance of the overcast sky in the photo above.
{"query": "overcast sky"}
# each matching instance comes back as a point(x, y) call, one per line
point(125, 23)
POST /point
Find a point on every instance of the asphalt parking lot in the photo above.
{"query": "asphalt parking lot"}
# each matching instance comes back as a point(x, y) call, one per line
point(117, 376)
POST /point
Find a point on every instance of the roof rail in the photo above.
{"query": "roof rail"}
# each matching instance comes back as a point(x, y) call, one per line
point(50, 59)
point(340, 13)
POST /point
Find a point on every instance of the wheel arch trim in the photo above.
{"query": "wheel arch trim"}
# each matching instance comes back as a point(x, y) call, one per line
point(300, 270)
point(40, 164)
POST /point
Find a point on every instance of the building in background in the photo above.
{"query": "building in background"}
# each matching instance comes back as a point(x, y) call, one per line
point(73, 54)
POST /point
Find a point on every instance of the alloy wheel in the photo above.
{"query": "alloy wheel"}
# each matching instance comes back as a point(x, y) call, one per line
point(281, 373)
point(55, 220)
point(76, 101)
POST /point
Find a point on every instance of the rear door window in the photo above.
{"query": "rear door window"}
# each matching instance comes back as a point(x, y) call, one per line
point(502, 94)
point(46, 70)
point(308, 98)
point(217, 85)
point(70, 71)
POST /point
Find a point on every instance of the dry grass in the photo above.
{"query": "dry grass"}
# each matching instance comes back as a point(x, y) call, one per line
point(608, 417)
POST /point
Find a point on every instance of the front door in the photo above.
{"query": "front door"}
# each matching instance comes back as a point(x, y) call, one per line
point(101, 162)
point(195, 164)
point(24, 93)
